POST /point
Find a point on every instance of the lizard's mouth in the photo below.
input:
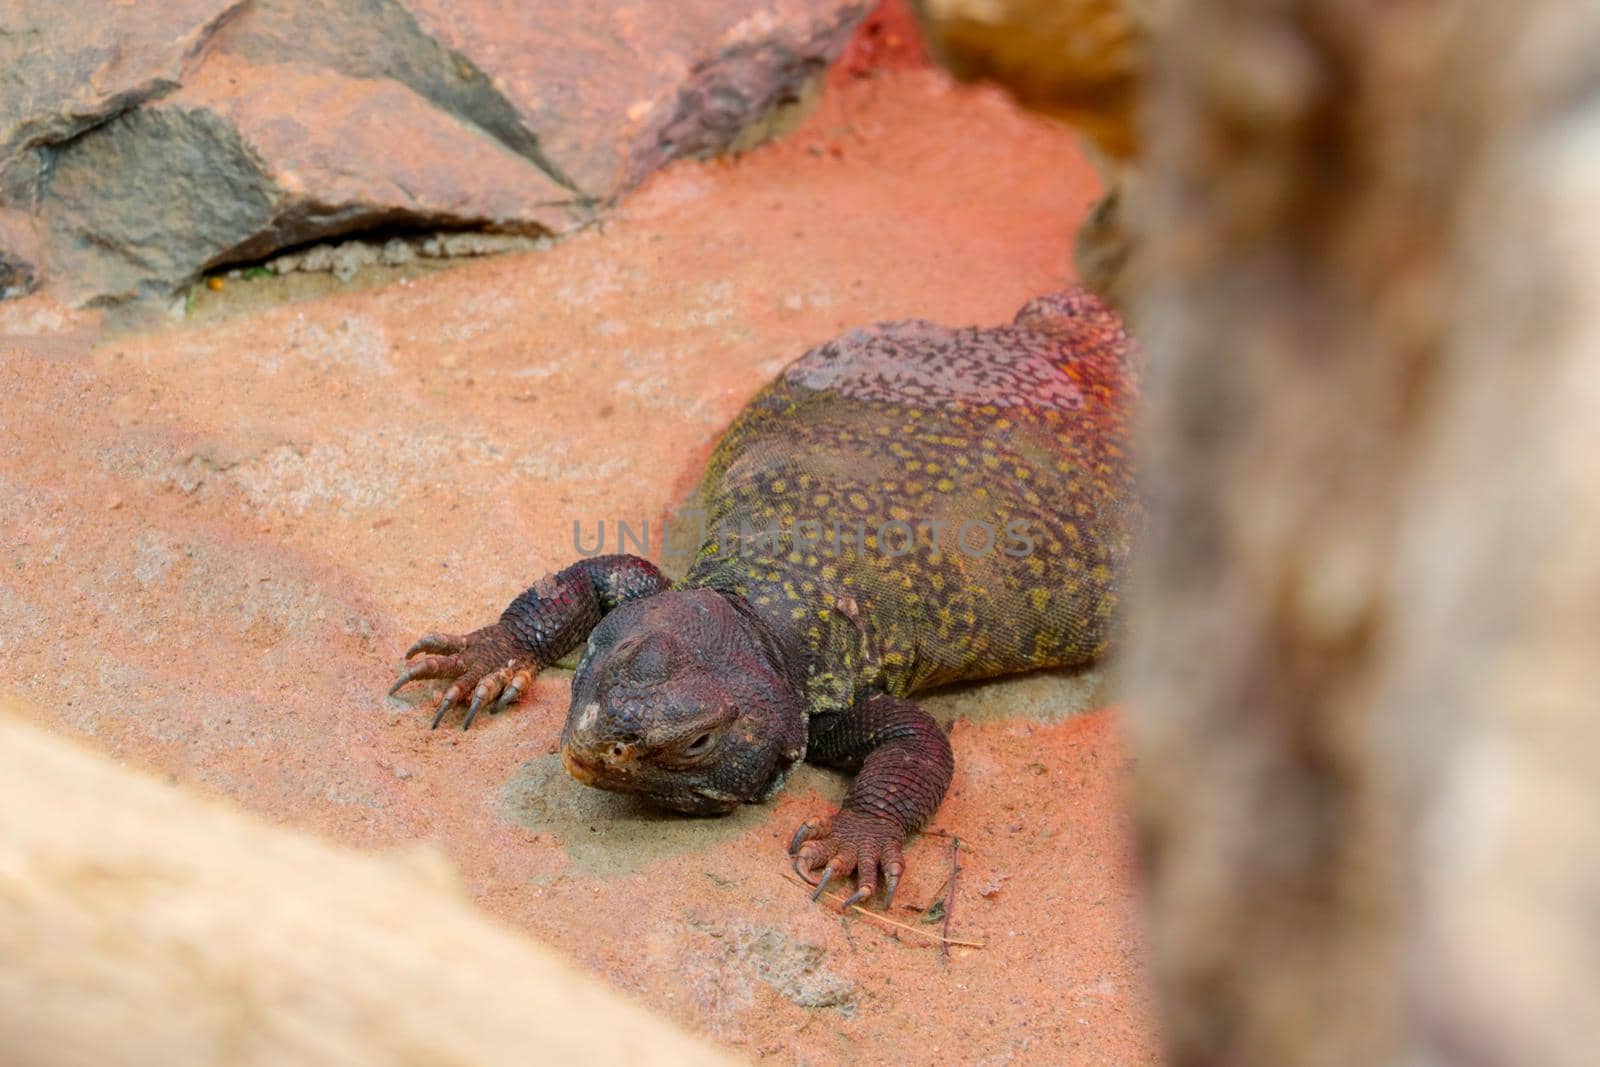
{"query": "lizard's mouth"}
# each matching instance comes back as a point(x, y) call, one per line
point(579, 769)
point(612, 768)
point(694, 800)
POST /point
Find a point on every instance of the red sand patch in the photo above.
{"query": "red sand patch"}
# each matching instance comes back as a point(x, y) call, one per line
point(887, 39)
point(221, 536)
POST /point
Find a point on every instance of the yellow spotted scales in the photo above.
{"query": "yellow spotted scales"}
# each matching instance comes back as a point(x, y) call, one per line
point(916, 505)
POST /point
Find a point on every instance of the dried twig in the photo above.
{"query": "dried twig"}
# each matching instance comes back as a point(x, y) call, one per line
point(950, 898)
point(933, 898)
point(966, 846)
point(885, 920)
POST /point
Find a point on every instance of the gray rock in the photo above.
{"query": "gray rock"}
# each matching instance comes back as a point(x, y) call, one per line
point(140, 149)
point(66, 68)
point(151, 197)
point(616, 90)
point(18, 252)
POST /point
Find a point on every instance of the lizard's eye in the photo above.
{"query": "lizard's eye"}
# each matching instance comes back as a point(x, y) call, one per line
point(700, 745)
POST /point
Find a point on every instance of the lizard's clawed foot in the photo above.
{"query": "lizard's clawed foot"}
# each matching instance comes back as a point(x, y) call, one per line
point(850, 843)
point(486, 668)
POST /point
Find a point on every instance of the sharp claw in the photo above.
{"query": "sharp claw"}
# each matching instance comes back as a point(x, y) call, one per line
point(444, 706)
point(822, 883)
point(472, 711)
point(430, 667)
point(855, 898)
point(435, 642)
point(799, 837)
point(804, 874)
point(890, 884)
point(509, 697)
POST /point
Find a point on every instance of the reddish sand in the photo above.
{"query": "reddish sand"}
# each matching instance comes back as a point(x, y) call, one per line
point(220, 536)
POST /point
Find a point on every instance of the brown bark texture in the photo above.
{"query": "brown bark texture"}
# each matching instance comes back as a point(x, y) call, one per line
point(1365, 668)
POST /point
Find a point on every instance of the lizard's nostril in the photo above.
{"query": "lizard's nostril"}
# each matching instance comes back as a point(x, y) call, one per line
point(618, 755)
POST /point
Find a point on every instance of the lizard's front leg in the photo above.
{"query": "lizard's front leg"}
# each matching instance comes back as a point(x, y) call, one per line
point(904, 763)
point(496, 664)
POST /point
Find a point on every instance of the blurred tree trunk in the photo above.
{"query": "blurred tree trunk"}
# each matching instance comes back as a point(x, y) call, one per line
point(1365, 674)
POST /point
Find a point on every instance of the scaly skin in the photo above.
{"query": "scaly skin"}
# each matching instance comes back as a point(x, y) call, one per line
point(904, 507)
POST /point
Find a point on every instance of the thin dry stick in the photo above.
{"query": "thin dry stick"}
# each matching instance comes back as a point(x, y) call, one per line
point(933, 898)
point(950, 899)
point(875, 917)
point(967, 845)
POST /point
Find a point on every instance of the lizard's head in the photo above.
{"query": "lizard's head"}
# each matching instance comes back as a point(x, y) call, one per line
point(684, 698)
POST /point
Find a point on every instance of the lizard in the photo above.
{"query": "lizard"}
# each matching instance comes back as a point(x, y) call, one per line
point(901, 508)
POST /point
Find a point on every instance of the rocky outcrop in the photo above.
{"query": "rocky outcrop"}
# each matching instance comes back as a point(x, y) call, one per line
point(1081, 60)
point(64, 71)
point(1084, 61)
point(18, 251)
point(139, 150)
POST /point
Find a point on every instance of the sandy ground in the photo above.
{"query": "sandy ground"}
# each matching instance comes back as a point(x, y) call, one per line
point(219, 536)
